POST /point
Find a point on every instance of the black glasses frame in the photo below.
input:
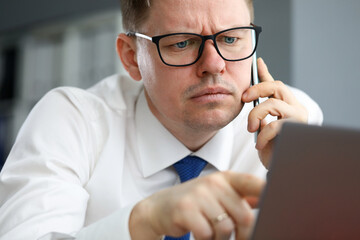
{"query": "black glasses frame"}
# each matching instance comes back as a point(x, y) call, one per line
point(156, 40)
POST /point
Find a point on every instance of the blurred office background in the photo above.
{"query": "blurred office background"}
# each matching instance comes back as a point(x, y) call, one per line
point(309, 44)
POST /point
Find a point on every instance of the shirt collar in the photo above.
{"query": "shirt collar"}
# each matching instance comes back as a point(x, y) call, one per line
point(159, 149)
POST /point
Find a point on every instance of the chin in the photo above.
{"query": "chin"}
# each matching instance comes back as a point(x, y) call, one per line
point(213, 121)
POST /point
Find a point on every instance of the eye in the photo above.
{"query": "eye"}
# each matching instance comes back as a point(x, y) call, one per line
point(229, 40)
point(182, 44)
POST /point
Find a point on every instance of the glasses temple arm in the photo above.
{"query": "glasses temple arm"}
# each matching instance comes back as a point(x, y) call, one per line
point(132, 34)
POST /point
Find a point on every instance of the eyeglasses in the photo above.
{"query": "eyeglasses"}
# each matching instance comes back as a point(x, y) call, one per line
point(184, 49)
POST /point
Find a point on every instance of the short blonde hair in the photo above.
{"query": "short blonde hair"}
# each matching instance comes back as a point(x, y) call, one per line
point(135, 13)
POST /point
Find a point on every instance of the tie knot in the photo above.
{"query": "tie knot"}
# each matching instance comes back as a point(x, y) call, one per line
point(189, 167)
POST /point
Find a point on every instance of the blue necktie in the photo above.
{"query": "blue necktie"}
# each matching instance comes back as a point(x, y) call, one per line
point(188, 168)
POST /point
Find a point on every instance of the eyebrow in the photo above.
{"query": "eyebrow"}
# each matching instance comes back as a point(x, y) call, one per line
point(196, 32)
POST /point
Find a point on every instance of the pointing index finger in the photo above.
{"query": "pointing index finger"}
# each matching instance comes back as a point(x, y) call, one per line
point(246, 185)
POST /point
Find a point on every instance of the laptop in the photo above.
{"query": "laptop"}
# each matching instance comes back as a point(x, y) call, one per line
point(313, 185)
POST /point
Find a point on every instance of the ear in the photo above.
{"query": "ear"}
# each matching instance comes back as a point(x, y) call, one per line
point(126, 49)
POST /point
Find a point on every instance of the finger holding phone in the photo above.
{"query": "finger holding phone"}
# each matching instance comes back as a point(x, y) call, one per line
point(280, 103)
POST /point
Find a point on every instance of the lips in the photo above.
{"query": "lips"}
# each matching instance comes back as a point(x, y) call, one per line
point(210, 91)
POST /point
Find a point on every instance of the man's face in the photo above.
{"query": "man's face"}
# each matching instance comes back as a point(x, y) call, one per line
point(205, 96)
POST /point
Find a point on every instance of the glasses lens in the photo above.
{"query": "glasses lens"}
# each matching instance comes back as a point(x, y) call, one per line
point(179, 49)
point(236, 44)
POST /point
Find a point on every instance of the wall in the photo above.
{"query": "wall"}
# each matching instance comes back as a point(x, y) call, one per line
point(274, 44)
point(314, 45)
point(20, 14)
point(325, 56)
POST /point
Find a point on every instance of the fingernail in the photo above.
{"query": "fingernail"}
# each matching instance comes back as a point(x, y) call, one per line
point(248, 95)
point(263, 63)
point(258, 146)
point(250, 127)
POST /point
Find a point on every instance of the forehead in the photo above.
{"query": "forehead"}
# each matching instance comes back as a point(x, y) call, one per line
point(200, 16)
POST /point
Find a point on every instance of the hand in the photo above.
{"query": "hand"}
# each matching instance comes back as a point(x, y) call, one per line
point(194, 205)
point(281, 103)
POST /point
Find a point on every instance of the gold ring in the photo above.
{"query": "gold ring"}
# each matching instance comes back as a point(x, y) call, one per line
point(221, 217)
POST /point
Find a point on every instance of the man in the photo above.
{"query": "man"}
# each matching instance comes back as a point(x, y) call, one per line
point(97, 164)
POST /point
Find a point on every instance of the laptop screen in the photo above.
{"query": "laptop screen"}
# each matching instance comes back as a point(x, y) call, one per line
point(313, 188)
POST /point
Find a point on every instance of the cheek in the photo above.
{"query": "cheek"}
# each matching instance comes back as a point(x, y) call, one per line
point(145, 63)
point(165, 86)
point(240, 72)
point(170, 83)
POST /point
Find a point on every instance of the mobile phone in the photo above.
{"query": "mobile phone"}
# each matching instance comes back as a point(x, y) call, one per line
point(254, 77)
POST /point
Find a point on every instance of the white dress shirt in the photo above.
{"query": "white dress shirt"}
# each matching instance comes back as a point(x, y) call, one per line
point(84, 158)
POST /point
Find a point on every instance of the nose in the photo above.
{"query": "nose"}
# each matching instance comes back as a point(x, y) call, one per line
point(210, 61)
